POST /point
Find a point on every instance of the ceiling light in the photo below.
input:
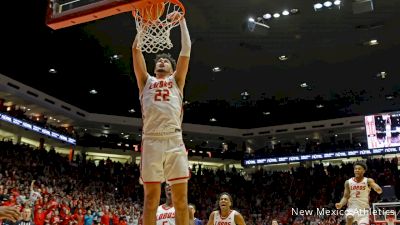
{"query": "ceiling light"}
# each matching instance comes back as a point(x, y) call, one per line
point(115, 57)
point(267, 16)
point(93, 92)
point(218, 69)
point(8, 108)
point(8, 104)
point(122, 133)
point(382, 75)
point(251, 19)
point(328, 4)
point(277, 15)
point(131, 110)
point(283, 58)
point(28, 109)
point(373, 42)
point(319, 106)
point(191, 140)
point(266, 113)
point(245, 93)
point(389, 97)
point(53, 71)
point(337, 2)
point(318, 6)
point(213, 120)
point(304, 85)
point(293, 11)
point(285, 12)
point(58, 121)
point(186, 103)
point(50, 117)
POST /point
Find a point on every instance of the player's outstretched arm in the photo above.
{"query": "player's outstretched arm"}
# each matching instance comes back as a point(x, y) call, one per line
point(139, 65)
point(374, 186)
point(211, 219)
point(239, 219)
point(182, 66)
point(346, 196)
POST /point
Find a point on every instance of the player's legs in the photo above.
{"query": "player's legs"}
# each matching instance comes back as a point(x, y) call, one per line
point(349, 215)
point(363, 221)
point(179, 199)
point(363, 218)
point(152, 192)
point(176, 169)
point(349, 220)
point(151, 175)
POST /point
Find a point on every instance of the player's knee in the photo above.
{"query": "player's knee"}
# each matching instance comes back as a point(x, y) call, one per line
point(151, 201)
point(181, 205)
point(180, 202)
point(151, 204)
point(350, 218)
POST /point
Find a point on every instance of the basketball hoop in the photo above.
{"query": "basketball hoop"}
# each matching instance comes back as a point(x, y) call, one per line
point(154, 26)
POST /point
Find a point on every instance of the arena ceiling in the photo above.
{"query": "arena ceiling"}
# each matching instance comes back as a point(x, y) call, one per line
point(327, 49)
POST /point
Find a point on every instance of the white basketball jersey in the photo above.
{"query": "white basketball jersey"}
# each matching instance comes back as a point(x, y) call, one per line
point(230, 220)
point(161, 102)
point(165, 216)
point(359, 194)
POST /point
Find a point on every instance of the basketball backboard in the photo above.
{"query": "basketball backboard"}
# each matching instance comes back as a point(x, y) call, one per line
point(385, 211)
point(65, 13)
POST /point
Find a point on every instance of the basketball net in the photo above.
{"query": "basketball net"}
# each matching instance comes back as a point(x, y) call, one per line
point(390, 218)
point(154, 31)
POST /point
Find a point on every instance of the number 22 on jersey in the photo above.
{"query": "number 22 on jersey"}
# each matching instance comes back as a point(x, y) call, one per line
point(161, 95)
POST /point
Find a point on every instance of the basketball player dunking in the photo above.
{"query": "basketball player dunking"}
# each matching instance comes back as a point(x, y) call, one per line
point(356, 195)
point(166, 212)
point(225, 215)
point(163, 156)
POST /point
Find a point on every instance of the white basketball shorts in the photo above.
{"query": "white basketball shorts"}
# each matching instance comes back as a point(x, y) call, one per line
point(164, 159)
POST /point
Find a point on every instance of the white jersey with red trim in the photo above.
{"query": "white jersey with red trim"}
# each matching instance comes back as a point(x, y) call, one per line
point(165, 215)
point(359, 194)
point(229, 220)
point(162, 110)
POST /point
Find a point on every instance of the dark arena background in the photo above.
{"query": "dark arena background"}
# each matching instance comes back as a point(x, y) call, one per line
point(281, 98)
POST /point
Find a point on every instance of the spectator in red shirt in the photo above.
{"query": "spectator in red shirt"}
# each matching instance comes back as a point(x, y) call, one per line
point(115, 218)
point(40, 215)
point(105, 219)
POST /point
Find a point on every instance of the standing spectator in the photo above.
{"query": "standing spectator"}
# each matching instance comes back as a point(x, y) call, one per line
point(34, 195)
point(26, 217)
point(105, 219)
point(89, 217)
point(192, 209)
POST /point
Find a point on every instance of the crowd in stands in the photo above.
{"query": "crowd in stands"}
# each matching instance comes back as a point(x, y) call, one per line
point(59, 191)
